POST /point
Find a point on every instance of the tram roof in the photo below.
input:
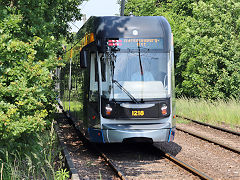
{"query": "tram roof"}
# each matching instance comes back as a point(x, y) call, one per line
point(125, 26)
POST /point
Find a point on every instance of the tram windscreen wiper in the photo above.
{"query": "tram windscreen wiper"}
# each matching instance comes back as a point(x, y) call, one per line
point(124, 90)
point(140, 61)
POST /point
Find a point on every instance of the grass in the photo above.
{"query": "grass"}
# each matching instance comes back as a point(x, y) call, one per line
point(214, 112)
point(35, 156)
point(182, 121)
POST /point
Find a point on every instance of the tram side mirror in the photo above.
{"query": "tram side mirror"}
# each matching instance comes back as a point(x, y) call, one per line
point(83, 59)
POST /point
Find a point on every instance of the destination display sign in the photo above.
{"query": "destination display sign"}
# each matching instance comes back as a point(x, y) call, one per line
point(135, 43)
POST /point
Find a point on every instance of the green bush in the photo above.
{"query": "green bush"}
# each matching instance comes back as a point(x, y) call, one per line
point(31, 33)
point(26, 84)
point(38, 157)
point(209, 60)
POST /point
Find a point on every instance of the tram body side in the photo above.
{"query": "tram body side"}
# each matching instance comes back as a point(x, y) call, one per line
point(87, 78)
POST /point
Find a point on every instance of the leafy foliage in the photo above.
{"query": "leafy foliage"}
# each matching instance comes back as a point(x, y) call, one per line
point(39, 157)
point(140, 7)
point(30, 34)
point(210, 51)
point(206, 41)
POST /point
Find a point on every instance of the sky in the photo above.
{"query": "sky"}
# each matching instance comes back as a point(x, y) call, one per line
point(97, 8)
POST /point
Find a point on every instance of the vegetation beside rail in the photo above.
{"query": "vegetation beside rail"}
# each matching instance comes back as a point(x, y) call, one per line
point(213, 112)
point(30, 44)
point(39, 156)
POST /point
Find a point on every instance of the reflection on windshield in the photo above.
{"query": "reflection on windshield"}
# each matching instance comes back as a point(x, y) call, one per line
point(127, 72)
point(126, 92)
point(154, 67)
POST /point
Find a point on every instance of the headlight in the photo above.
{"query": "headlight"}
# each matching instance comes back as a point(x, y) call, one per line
point(164, 109)
point(108, 109)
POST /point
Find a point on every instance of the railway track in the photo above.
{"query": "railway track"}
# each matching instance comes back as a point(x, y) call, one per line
point(136, 163)
point(225, 138)
point(115, 167)
point(209, 125)
point(89, 146)
point(189, 168)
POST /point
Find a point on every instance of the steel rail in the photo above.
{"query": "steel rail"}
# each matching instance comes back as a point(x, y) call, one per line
point(107, 160)
point(187, 167)
point(233, 149)
point(184, 165)
point(212, 126)
point(111, 164)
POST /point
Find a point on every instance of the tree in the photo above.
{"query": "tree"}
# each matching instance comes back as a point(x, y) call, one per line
point(30, 32)
point(210, 58)
point(140, 7)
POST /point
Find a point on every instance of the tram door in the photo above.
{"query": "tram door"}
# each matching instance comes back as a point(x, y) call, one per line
point(94, 98)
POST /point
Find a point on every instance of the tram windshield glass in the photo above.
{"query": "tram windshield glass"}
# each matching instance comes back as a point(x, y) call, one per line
point(135, 71)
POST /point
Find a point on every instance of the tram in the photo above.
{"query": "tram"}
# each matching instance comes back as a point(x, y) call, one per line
point(119, 82)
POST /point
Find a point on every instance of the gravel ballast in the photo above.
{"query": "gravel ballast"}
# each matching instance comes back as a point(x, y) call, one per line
point(212, 159)
point(142, 161)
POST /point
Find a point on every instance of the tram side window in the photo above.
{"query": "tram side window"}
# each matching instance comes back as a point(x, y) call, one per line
point(93, 93)
point(103, 69)
point(106, 76)
point(96, 69)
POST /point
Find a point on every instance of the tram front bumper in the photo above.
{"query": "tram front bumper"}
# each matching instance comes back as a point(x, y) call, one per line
point(120, 133)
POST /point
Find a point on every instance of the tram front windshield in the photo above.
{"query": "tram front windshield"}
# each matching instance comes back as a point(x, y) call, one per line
point(136, 71)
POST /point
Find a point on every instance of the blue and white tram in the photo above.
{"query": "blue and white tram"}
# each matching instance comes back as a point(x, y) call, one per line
point(119, 84)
